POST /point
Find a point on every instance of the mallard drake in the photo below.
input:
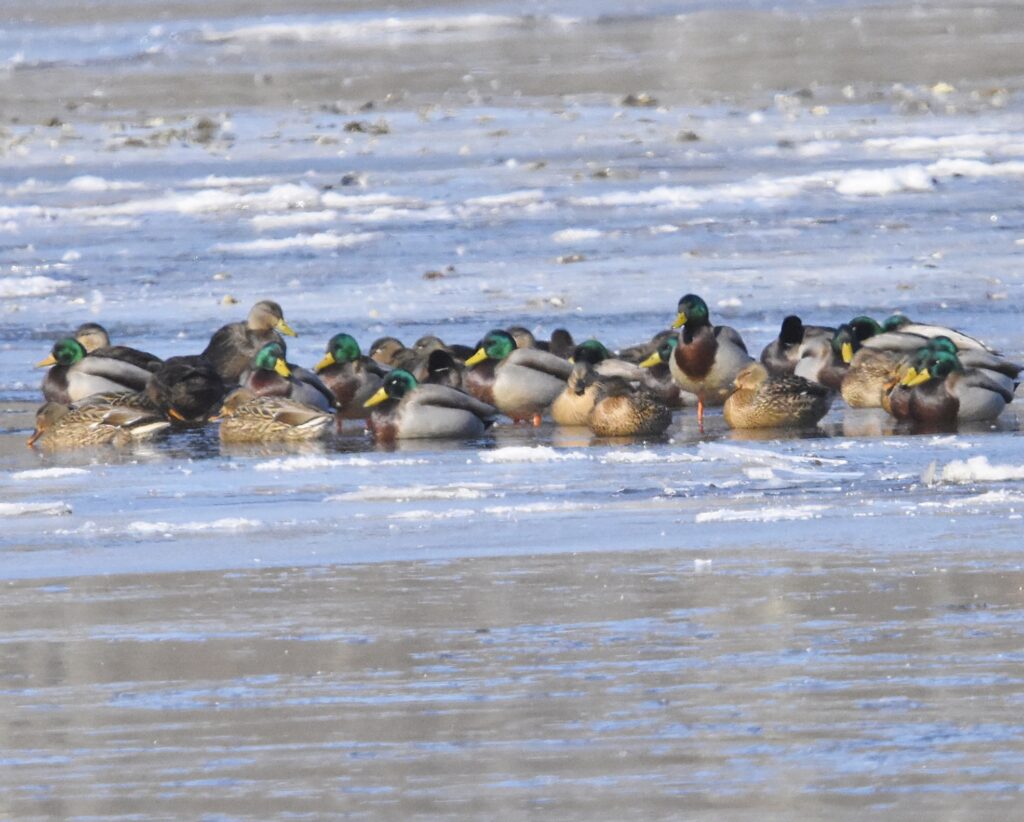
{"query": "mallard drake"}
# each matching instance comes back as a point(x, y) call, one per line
point(75, 374)
point(186, 389)
point(232, 347)
point(763, 401)
point(945, 394)
point(352, 377)
point(406, 409)
point(782, 354)
point(520, 382)
point(95, 339)
point(707, 358)
point(964, 342)
point(826, 360)
point(245, 417)
point(625, 408)
point(270, 375)
point(60, 427)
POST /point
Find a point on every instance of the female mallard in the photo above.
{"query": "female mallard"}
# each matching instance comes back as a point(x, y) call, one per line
point(186, 389)
point(232, 347)
point(60, 427)
point(944, 394)
point(520, 382)
point(95, 339)
point(626, 408)
point(561, 343)
point(782, 354)
point(75, 374)
point(871, 374)
point(405, 409)
point(707, 358)
point(390, 352)
point(271, 376)
point(245, 417)
point(351, 377)
point(763, 401)
point(591, 362)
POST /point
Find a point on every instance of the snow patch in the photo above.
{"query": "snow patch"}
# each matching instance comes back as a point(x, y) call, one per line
point(979, 469)
point(782, 514)
point(37, 509)
point(48, 473)
point(526, 453)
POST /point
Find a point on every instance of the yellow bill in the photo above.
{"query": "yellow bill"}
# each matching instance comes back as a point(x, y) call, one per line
point(284, 328)
point(680, 320)
point(651, 361)
point(847, 352)
point(923, 377)
point(908, 375)
point(281, 367)
point(478, 357)
point(328, 360)
point(376, 399)
point(51, 360)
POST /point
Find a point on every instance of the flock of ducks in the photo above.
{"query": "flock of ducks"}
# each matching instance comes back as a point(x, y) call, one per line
point(931, 377)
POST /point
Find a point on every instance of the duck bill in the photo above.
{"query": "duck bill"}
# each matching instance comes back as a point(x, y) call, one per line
point(285, 329)
point(376, 399)
point(680, 320)
point(281, 367)
point(326, 362)
point(36, 434)
point(478, 357)
point(908, 375)
point(847, 352)
point(923, 377)
point(651, 361)
point(51, 360)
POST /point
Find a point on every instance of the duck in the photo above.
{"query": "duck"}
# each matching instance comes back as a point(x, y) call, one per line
point(270, 375)
point(944, 394)
point(429, 343)
point(707, 358)
point(642, 351)
point(59, 427)
point(826, 360)
point(95, 339)
point(900, 323)
point(561, 343)
point(391, 352)
point(782, 354)
point(75, 374)
point(870, 375)
point(186, 389)
point(351, 376)
point(626, 408)
point(232, 347)
point(520, 382)
point(404, 408)
point(246, 417)
point(762, 400)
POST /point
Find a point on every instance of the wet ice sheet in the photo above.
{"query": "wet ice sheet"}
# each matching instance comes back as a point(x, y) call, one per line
point(584, 686)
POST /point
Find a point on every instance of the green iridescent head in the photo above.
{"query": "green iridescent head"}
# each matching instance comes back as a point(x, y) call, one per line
point(496, 345)
point(692, 311)
point(64, 352)
point(591, 351)
point(341, 348)
point(271, 358)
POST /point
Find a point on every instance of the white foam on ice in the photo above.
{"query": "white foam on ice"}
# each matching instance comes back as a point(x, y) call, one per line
point(576, 235)
point(49, 473)
point(37, 286)
point(377, 493)
point(316, 463)
point(527, 453)
point(229, 524)
point(979, 469)
point(34, 509)
point(363, 29)
point(779, 514)
point(321, 241)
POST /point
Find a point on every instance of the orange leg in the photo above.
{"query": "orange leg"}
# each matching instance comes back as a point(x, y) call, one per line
point(536, 420)
point(700, 414)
